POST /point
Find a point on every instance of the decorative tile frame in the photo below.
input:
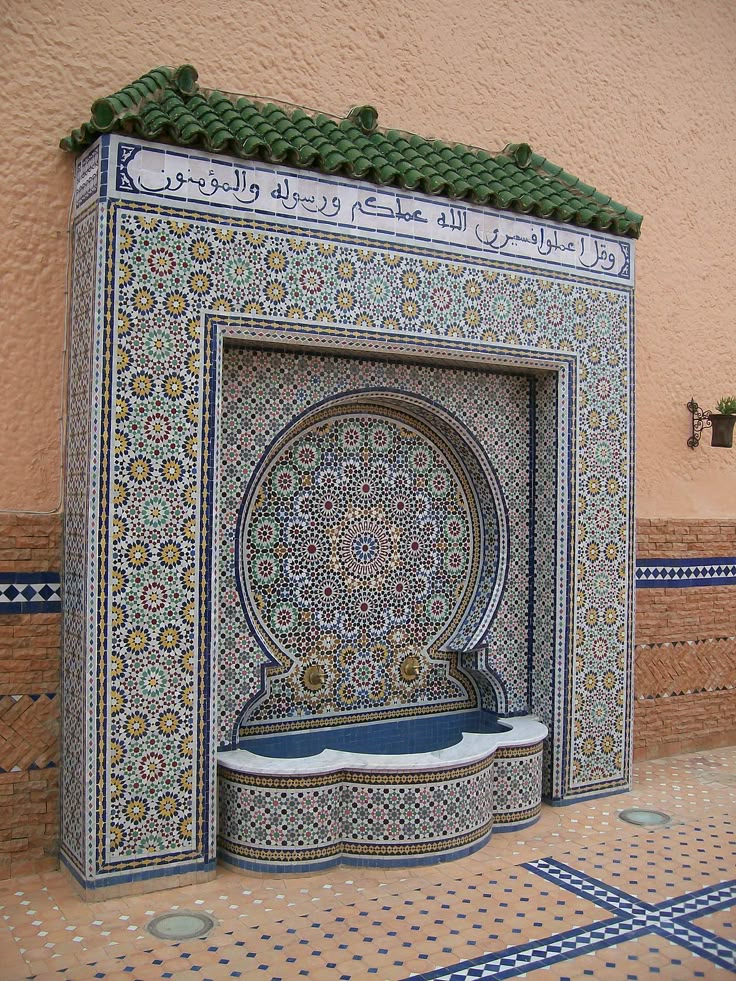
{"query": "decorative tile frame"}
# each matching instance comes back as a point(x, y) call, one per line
point(149, 318)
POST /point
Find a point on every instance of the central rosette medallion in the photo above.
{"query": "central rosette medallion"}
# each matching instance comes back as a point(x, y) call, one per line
point(360, 550)
point(365, 548)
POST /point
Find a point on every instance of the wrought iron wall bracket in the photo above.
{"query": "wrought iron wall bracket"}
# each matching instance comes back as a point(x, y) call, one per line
point(700, 421)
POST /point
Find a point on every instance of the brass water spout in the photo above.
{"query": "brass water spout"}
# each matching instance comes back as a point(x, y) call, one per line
point(314, 677)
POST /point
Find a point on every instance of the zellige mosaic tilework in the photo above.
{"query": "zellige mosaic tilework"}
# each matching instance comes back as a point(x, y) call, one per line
point(238, 446)
point(151, 467)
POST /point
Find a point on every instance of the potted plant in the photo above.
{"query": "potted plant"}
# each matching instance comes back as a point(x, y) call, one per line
point(722, 422)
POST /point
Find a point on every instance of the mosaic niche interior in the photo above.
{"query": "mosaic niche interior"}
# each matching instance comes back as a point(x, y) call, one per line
point(364, 538)
point(199, 626)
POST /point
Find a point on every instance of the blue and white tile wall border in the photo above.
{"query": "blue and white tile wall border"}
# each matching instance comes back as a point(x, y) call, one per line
point(682, 573)
point(30, 592)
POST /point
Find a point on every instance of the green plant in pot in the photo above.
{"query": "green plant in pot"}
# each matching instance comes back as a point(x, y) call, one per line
point(722, 422)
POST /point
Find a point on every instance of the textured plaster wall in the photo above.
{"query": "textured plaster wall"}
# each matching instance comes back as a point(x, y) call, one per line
point(638, 98)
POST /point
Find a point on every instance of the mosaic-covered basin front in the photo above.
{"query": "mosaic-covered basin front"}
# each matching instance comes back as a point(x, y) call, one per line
point(353, 815)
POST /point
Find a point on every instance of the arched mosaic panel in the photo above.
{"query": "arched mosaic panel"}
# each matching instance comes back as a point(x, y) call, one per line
point(370, 552)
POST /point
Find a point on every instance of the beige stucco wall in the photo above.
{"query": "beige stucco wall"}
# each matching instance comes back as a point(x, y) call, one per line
point(637, 97)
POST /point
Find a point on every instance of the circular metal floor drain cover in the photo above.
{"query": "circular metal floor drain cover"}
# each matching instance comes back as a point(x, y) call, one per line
point(182, 925)
point(644, 818)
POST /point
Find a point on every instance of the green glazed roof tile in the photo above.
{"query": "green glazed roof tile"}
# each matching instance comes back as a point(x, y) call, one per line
point(168, 104)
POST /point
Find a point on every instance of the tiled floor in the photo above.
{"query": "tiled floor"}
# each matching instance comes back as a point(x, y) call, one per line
point(579, 895)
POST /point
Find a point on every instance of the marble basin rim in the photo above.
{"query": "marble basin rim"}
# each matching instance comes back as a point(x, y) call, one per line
point(524, 730)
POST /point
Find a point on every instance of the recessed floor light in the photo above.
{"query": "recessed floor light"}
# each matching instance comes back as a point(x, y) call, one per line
point(645, 818)
point(181, 925)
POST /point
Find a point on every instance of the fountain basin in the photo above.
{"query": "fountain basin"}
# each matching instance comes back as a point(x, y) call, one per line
point(302, 812)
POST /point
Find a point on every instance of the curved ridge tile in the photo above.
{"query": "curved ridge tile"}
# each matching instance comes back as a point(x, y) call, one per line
point(169, 103)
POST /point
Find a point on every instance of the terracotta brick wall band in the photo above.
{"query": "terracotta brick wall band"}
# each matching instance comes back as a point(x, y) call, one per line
point(30, 542)
point(685, 655)
point(29, 710)
point(685, 668)
point(684, 723)
point(674, 614)
point(685, 538)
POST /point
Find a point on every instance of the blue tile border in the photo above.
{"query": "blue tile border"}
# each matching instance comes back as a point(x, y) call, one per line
point(91, 885)
point(30, 592)
point(565, 802)
point(228, 859)
point(679, 573)
point(40, 592)
point(631, 918)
